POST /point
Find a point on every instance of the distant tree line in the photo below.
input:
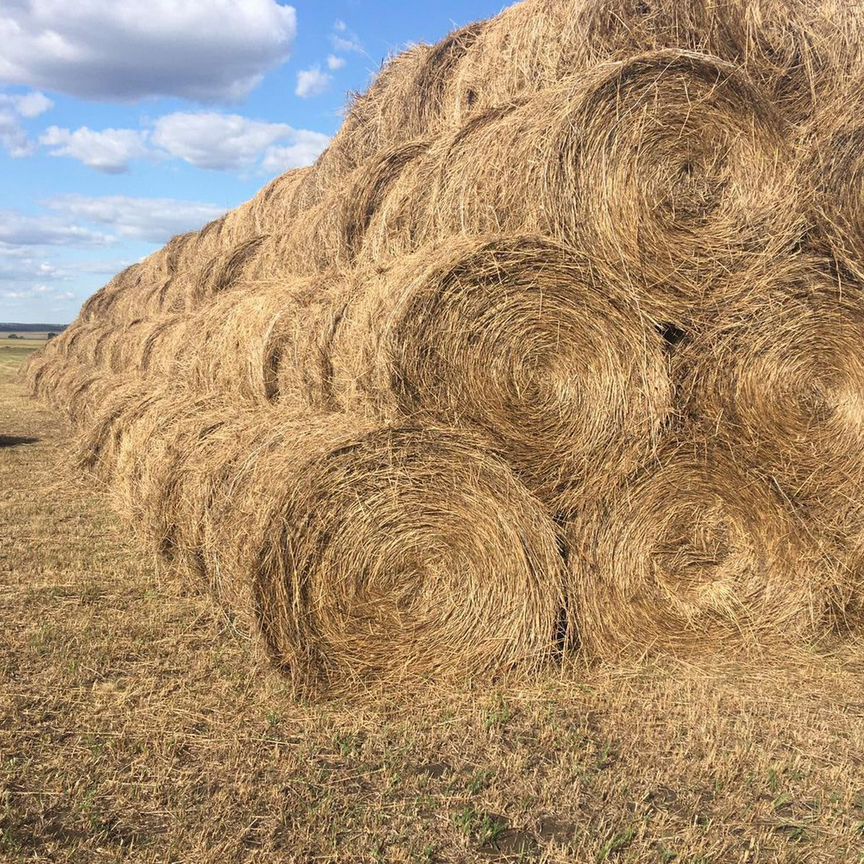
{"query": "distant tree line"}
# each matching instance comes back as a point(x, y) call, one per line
point(6, 327)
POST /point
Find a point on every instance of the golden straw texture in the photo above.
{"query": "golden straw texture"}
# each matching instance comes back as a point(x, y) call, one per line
point(694, 555)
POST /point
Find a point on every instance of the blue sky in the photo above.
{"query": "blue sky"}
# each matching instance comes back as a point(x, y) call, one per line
point(124, 124)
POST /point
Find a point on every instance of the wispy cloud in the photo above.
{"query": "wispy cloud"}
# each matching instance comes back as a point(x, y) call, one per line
point(18, 229)
point(345, 40)
point(14, 109)
point(153, 220)
point(37, 292)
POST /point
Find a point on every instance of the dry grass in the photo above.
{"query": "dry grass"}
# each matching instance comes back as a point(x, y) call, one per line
point(137, 725)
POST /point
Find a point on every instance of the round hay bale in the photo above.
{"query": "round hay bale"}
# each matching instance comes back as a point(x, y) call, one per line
point(411, 97)
point(365, 554)
point(516, 336)
point(434, 102)
point(677, 176)
point(528, 47)
point(154, 352)
point(366, 125)
point(86, 395)
point(783, 45)
point(369, 189)
point(121, 344)
point(692, 555)
point(332, 233)
point(101, 345)
point(78, 348)
point(769, 39)
point(165, 459)
point(314, 243)
point(389, 554)
point(250, 343)
point(100, 304)
point(36, 368)
point(225, 268)
point(239, 224)
point(99, 442)
point(171, 268)
point(781, 380)
point(280, 202)
point(400, 221)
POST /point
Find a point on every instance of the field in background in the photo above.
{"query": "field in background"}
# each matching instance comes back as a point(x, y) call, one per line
point(14, 351)
point(135, 725)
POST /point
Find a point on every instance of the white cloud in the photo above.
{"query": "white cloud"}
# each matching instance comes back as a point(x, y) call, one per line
point(334, 63)
point(17, 229)
point(344, 40)
point(37, 292)
point(33, 104)
point(307, 148)
point(110, 150)
point(17, 268)
point(214, 141)
point(13, 138)
point(312, 82)
point(153, 220)
point(103, 49)
point(217, 141)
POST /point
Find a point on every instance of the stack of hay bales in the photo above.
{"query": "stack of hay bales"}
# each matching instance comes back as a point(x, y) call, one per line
point(557, 348)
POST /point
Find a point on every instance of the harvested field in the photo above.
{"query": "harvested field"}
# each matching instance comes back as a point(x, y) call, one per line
point(137, 725)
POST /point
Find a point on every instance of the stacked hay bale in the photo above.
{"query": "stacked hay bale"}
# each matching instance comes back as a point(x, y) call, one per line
point(556, 348)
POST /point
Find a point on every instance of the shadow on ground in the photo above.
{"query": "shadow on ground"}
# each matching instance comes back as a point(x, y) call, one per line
point(16, 440)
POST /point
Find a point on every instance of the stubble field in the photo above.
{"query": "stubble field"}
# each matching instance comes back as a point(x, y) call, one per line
point(136, 725)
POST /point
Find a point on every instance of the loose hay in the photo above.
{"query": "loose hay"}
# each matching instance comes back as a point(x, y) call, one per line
point(834, 169)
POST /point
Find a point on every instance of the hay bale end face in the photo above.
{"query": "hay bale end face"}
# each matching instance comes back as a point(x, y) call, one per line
point(782, 381)
point(398, 553)
point(519, 338)
point(694, 555)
